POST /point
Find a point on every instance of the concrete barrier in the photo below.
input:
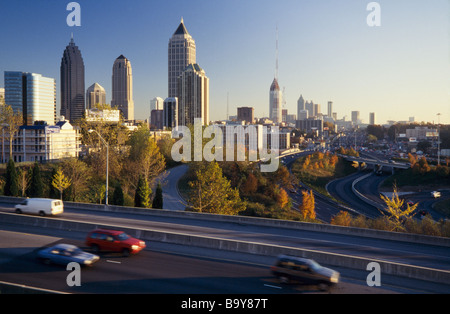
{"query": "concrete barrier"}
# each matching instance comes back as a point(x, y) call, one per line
point(246, 220)
point(332, 259)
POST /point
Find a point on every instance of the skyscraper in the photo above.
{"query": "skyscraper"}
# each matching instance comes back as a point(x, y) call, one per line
point(122, 87)
point(182, 52)
point(300, 106)
point(72, 83)
point(33, 95)
point(95, 94)
point(193, 96)
point(171, 112)
point(330, 109)
point(355, 117)
point(372, 118)
point(275, 102)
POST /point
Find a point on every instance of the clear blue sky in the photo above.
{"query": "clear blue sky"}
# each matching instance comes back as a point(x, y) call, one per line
point(326, 50)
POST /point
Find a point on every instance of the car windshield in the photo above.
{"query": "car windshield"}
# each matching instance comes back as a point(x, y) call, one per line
point(314, 265)
point(72, 252)
point(122, 236)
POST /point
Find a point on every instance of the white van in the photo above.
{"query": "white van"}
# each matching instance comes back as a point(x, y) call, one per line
point(40, 206)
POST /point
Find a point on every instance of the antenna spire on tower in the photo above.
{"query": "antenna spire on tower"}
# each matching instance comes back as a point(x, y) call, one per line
point(276, 65)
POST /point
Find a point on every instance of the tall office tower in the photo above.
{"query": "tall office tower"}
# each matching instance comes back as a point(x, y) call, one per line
point(171, 112)
point(275, 102)
point(72, 83)
point(330, 109)
point(316, 110)
point(355, 117)
point(122, 87)
point(309, 106)
point(193, 96)
point(182, 52)
point(33, 95)
point(300, 105)
point(372, 118)
point(303, 115)
point(156, 103)
point(246, 114)
point(95, 95)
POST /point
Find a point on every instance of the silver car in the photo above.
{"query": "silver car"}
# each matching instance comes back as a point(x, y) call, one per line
point(289, 268)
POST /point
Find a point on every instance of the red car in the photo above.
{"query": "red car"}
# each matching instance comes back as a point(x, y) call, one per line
point(113, 241)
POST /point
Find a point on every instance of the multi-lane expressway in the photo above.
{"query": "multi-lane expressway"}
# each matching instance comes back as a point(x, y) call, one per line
point(167, 268)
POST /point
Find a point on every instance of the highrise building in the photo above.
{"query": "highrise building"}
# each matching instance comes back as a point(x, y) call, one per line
point(72, 83)
point(300, 106)
point(182, 52)
point(156, 103)
point(330, 109)
point(275, 102)
point(193, 96)
point(33, 95)
point(246, 114)
point(372, 118)
point(122, 87)
point(171, 112)
point(95, 94)
point(355, 117)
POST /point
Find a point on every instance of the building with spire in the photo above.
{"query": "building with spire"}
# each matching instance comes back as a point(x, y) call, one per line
point(122, 88)
point(182, 52)
point(275, 102)
point(72, 83)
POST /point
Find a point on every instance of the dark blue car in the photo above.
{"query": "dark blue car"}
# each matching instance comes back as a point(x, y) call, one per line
point(65, 253)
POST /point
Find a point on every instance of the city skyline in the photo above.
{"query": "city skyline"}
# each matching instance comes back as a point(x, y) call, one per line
point(327, 52)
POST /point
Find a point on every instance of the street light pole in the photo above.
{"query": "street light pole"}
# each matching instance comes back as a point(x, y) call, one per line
point(107, 164)
point(439, 138)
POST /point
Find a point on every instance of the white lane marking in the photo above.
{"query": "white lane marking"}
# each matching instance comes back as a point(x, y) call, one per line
point(270, 286)
point(114, 262)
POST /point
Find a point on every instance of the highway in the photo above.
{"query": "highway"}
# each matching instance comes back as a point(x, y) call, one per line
point(166, 269)
point(394, 251)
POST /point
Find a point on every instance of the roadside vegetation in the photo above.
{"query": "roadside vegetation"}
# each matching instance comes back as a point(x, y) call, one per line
point(318, 169)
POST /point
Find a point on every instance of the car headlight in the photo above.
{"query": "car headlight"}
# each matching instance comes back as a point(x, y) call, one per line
point(135, 247)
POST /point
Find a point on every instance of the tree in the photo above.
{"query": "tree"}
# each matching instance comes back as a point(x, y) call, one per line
point(397, 213)
point(118, 197)
point(343, 218)
point(36, 188)
point(158, 199)
point(250, 185)
point(282, 198)
point(11, 122)
point(79, 174)
point(60, 182)
point(211, 192)
point(23, 181)
point(307, 208)
point(143, 192)
point(11, 188)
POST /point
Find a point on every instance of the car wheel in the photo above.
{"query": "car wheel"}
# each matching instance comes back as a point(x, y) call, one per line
point(46, 261)
point(95, 248)
point(18, 211)
point(323, 286)
point(41, 213)
point(126, 252)
point(284, 279)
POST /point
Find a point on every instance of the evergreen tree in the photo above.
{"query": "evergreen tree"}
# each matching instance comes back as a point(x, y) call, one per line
point(36, 188)
point(143, 192)
point(158, 199)
point(118, 198)
point(11, 188)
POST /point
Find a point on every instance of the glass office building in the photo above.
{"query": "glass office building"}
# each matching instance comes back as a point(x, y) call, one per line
point(31, 94)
